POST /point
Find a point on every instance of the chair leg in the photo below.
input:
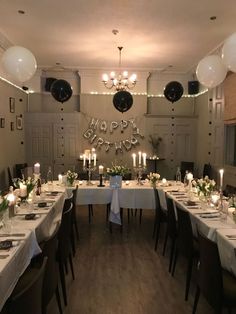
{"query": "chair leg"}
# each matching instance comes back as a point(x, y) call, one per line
point(154, 226)
point(89, 212)
point(128, 214)
point(63, 282)
point(188, 278)
point(110, 226)
point(171, 254)
point(76, 228)
point(157, 235)
point(108, 211)
point(58, 300)
point(197, 295)
point(165, 242)
point(72, 238)
point(140, 215)
point(175, 260)
point(71, 266)
point(121, 218)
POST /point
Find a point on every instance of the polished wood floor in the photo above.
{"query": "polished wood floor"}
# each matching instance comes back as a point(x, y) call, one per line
point(120, 273)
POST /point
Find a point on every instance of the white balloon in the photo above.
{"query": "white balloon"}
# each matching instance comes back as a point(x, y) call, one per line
point(229, 53)
point(211, 71)
point(19, 62)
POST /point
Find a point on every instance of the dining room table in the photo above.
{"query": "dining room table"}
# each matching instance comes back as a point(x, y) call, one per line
point(20, 236)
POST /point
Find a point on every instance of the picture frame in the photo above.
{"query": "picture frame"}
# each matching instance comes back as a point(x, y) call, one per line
point(2, 123)
point(12, 126)
point(19, 122)
point(12, 104)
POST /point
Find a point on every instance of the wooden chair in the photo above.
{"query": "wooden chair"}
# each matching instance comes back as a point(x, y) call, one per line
point(171, 230)
point(26, 297)
point(64, 248)
point(216, 284)
point(185, 244)
point(160, 217)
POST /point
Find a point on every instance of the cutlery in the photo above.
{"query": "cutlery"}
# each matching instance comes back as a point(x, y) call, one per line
point(3, 235)
point(4, 256)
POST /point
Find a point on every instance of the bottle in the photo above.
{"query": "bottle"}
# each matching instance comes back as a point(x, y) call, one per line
point(49, 176)
point(186, 178)
point(38, 188)
point(178, 175)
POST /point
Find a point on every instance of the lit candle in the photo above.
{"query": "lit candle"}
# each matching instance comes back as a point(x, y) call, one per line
point(84, 159)
point(94, 159)
point(139, 158)
point(60, 178)
point(89, 158)
point(100, 169)
point(37, 168)
point(134, 160)
point(144, 159)
point(164, 181)
point(190, 176)
point(11, 198)
point(221, 171)
point(23, 190)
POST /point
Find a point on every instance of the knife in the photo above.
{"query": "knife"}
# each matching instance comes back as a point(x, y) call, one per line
point(3, 235)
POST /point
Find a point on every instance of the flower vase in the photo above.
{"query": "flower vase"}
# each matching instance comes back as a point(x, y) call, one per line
point(70, 183)
point(115, 181)
point(153, 184)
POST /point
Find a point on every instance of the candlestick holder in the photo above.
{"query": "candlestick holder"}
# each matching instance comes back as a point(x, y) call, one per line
point(139, 170)
point(89, 169)
point(101, 181)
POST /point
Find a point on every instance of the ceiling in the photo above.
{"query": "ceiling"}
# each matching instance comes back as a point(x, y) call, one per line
point(171, 35)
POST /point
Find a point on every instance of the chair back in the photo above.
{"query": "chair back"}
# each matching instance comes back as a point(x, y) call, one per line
point(210, 273)
point(29, 299)
point(10, 180)
point(171, 217)
point(68, 201)
point(185, 232)
point(64, 243)
point(207, 170)
point(50, 282)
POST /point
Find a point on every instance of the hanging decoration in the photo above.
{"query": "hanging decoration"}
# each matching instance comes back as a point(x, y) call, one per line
point(173, 91)
point(123, 101)
point(96, 126)
point(61, 90)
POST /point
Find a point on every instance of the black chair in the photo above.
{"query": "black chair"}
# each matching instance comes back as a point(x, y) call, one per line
point(216, 284)
point(160, 217)
point(229, 190)
point(50, 282)
point(18, 170)
point(171, 230)
point(185, 244)
point(10, 179)
point(74, 225)
point(26, 297)
point(64, 248)
point(186, 166)
point(207, 171)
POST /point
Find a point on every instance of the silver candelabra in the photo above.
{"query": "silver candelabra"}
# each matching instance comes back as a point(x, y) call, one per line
point(89, 169)
point(139, 170)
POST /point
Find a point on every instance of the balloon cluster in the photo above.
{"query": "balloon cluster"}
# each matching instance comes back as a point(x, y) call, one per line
point(173, 91)
point(212, 70)
point(20, 63)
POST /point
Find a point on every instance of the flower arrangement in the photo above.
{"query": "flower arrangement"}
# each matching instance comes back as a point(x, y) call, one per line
point(3, 203)
point(204, 186)
point(71, 177)
point(116, 170)
point(153, 178)
point(29, 183)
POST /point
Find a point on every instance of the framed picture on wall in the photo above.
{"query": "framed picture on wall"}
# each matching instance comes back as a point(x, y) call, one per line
point(2, 123)
point(12, 126)
point(19, 122)
point(12, 104)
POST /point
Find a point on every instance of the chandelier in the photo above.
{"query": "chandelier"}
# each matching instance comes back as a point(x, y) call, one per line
point(120, 82)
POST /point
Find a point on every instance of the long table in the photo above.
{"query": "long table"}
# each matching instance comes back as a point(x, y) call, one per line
point(25, 236)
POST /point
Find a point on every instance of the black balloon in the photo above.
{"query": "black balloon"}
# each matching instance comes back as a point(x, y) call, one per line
point(61, 90)
point(173, 91)
point(123, 101)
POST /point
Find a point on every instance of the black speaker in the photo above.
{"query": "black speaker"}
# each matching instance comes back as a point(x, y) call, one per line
point(193, 87)
point(48, 83)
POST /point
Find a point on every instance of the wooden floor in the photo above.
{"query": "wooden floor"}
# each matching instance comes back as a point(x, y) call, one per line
point(120, 273)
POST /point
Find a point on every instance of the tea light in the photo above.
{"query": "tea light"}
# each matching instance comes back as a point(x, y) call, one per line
point(127, 182)
point(80, 182)
point(37, 168)
point(221, 171)
point(164, 181)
